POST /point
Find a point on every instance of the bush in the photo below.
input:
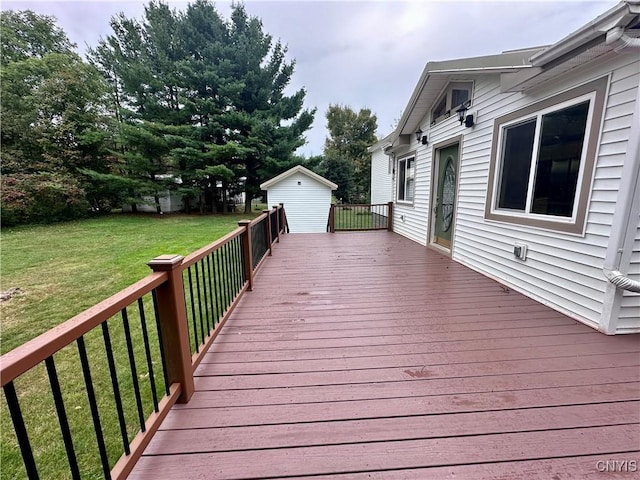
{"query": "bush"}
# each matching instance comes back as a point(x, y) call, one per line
point(41, 198)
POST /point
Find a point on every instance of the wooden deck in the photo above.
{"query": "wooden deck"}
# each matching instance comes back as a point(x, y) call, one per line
point(367, 356)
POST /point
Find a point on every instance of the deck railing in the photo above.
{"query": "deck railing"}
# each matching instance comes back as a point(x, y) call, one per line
point(360, 217)
point(135, 352)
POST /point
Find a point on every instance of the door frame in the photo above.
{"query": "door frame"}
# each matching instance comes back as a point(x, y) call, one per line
point(435, 159)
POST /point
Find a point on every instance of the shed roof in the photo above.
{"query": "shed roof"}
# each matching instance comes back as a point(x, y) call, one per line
point(298, 169)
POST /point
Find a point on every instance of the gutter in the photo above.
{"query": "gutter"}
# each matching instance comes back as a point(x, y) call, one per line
point(628, 204)
point(617, 16)
point(482, 69)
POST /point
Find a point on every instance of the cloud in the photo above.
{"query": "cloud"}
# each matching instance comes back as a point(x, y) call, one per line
point(363, 53)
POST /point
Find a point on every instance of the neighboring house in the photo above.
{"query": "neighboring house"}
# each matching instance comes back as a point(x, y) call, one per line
point(381, 171)
point(306, 197)
point(537, 185)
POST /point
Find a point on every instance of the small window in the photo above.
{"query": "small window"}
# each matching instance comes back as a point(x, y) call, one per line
point(542, 161)
point(454, 95)
point(406, 179)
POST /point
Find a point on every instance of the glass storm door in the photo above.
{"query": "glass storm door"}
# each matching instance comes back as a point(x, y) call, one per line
point(445, 196)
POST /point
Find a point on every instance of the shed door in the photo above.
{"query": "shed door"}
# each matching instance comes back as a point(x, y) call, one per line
point(444, 205)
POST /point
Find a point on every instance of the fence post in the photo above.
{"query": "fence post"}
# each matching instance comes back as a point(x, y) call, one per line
point(332, 218)
point(247, 257)
point(390, 217)
point(269, 239)
point(275, 207)
point(173, 323)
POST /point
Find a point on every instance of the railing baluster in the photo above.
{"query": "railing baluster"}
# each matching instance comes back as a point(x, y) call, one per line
point(238, 272)
point(202, 333)
point(62, 418)
point(214, 288)
point(220, 296)
point(227, 287)
point(93, 405)
point(228, 275)
point(116, 387)
point(21, 431)
point(134, 371)
point(193, 311)
point(163, 358)
point(147, 351)
point(210, 318)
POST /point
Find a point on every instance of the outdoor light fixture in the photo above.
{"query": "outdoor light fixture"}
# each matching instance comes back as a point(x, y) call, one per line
point(462, 109)
point(418, 134)
point(463, 117)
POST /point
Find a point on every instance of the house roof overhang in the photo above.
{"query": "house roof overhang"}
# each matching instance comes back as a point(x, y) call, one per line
point(519, 70)
point(381, 144)
point(590, 42)
point(298, 169)
point(437, 75)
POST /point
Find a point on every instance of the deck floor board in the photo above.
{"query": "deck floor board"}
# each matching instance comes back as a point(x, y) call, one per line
point(365, 355)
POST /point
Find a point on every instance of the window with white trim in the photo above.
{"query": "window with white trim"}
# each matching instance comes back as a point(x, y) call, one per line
point(406, 179)
point(542, 160)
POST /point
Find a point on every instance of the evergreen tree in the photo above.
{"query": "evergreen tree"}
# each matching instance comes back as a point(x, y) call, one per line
point(214, 88)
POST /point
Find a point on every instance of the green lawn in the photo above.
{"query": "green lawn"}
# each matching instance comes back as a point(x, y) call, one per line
point(64, 269)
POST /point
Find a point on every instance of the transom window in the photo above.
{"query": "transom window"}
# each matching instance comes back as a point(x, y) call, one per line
point(406, 179)
point(454, 95)
point(542, 160)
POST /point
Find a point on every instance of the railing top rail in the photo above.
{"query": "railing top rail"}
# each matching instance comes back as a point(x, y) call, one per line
point(26, 356)
point(207, 249)
point(361, 204)
point(258, 219)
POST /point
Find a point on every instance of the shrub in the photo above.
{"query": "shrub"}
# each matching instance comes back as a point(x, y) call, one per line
point(41, 198)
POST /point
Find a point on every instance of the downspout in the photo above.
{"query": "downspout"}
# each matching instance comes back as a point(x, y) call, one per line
point(627, 206)
point(618, 33)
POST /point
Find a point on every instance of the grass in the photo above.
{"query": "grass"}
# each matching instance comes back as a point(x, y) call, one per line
point(66, 268)
point(63, 269)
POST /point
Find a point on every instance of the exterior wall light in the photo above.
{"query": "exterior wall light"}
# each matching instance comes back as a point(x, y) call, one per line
point(418, 134)
point(463, 117)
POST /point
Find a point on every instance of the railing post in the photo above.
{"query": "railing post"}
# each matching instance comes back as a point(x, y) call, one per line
point(390, 217)
point(269, 239)
point(173, 323)
point(247, 257)
point(283, 221)
point(332, 218)
point(275, 207)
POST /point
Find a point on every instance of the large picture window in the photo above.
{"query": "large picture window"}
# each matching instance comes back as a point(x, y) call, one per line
point(406, 179)
point(542, 160)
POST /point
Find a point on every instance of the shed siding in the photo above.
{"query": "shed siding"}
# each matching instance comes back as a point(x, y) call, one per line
point(381, 181)
point(307, 205)
point(562, 270)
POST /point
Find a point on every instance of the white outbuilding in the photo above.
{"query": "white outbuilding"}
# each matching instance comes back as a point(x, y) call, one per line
point(306, 197)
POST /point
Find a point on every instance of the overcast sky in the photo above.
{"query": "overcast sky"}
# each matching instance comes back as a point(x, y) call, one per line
point(362, 54)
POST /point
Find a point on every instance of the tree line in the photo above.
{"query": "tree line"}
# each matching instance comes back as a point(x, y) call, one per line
point(180, 100)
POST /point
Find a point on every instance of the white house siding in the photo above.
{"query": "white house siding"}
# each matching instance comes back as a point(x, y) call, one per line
point(381, 183)
point(410, 220)
point(306, 205)
point(562, 270)
point(629, 318)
